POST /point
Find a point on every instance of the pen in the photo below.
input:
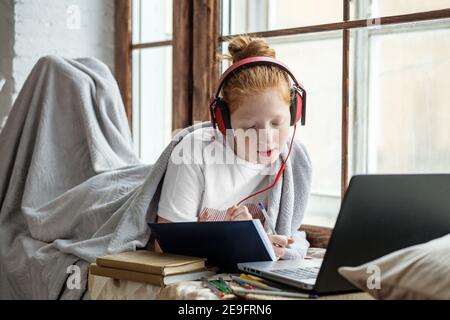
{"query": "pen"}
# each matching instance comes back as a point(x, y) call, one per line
point(242, 282)
point(257, 283)
point(253, 283)
point(278, 293)
point(266, 216)
point(218, 293)
point(269, 222)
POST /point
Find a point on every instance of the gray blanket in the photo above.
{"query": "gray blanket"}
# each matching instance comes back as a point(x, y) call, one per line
point(71, 188)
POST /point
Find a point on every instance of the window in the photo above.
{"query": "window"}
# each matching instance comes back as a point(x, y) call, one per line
point(243, 16)
point(317, 63)
point(398, 113)
point(152, 77)
point(378, 8)
point(316, 60)
point(402, 112)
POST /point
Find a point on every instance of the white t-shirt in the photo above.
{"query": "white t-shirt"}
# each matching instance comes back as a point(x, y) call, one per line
point(204, 173)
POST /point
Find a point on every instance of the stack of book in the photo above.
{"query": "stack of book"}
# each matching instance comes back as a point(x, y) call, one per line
point(159, 269)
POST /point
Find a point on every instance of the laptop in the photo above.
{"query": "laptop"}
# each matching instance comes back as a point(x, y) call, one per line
point(379, 214)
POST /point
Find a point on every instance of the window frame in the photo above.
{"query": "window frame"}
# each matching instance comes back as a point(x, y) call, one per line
point(345, 26)
point(359, 104)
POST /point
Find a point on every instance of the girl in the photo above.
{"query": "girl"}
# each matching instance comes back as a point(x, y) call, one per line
point(208, 174)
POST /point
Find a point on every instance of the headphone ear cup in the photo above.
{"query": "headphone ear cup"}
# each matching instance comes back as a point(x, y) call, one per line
point(222, 115)
point(296, 107)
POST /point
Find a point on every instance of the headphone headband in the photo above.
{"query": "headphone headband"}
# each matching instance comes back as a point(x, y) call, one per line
point(250, 62)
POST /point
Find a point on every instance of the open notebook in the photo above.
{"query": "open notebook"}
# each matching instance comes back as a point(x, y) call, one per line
point(210, 214)
point(222, 243)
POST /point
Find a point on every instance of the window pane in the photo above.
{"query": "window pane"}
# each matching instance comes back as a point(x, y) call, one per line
point(377, 8)
point(241, 16)
point(152, 20)
point(317, 64)
point(407, 112)
point(152, 101)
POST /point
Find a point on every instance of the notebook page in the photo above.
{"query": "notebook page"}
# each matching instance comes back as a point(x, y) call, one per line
point(265, 239)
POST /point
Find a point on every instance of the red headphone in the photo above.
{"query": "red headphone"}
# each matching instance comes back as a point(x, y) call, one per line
point(220, 114)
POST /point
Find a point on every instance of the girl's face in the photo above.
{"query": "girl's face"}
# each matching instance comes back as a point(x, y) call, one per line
point(261, 126)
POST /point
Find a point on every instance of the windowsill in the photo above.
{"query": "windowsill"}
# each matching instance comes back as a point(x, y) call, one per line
point(319, 220)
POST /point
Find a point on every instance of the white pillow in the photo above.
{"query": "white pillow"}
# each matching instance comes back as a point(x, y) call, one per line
point(417, 272)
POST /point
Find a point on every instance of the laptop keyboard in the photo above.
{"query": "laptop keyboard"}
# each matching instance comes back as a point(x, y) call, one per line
point(298, 273)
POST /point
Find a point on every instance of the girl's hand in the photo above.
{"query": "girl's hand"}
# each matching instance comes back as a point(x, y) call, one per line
point(279, 243)
point(238, 213)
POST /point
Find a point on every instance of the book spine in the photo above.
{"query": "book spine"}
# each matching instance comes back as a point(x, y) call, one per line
point(127, 275)
point(130, 266)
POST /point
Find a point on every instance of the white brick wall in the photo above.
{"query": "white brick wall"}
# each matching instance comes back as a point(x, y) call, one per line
point(6, 56)
point(30, 29)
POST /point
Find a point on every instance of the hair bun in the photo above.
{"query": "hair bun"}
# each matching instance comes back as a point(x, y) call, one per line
point(242, 47)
